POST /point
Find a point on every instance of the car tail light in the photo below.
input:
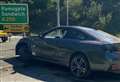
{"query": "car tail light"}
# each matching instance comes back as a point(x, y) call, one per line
point(115, 66)
point(111, 48)
point(112, 52)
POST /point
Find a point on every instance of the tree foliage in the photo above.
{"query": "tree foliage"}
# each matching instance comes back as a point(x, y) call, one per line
point(100, 14)
point(90, 15)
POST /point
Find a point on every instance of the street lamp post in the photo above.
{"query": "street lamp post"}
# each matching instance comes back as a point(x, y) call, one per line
point(67, 13)
point(58, 13)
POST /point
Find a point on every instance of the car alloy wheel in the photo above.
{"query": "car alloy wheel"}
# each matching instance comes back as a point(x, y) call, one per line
point(79, 66)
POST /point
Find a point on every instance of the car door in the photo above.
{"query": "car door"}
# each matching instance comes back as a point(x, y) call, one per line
point(68, 44)
point(59, 45)
point(42, 47)
point(47, 44)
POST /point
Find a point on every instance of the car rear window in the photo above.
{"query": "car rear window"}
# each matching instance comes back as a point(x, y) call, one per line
point(101, 35)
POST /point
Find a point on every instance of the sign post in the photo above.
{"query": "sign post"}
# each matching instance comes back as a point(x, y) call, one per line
point(14, 14)
point(14, 17)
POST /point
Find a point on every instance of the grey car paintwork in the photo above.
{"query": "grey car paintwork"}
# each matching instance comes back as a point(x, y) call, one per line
point(61, 50)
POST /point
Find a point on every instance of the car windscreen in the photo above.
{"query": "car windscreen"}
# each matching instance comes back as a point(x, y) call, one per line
point(103, 36)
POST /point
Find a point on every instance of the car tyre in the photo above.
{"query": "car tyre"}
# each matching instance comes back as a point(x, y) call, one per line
point(25, 54)
point(79, 66)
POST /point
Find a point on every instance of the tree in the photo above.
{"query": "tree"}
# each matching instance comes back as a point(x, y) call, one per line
point(90, 15)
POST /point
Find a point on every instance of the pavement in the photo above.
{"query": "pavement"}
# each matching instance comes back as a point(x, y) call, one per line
point(7, 49)
point(13, 70)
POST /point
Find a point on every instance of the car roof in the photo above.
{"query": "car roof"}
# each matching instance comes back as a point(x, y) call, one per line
point(77, 27)
point(81, 28)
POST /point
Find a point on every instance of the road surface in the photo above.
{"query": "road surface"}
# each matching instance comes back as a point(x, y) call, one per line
point(12, 70)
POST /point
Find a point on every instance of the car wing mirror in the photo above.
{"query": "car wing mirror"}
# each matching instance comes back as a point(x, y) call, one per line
point(57, 37)
point(40, 35)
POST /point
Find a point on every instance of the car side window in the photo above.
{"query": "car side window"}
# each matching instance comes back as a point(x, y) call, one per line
point(74, 34)
point(57, 33)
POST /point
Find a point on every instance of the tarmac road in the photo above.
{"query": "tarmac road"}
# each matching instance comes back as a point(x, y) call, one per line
point(12, 70)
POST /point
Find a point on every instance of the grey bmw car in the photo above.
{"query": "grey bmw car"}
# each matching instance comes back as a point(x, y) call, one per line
point(81, 49)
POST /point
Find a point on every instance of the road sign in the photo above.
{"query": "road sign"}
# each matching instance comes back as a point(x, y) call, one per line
point(16, 28)
point(14, 14)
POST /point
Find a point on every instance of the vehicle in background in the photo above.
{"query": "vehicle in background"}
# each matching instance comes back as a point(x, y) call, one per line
point(3, 36)
point(81, 49)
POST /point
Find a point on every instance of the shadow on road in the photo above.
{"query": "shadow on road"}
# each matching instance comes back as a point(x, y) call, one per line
point(54, 73)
